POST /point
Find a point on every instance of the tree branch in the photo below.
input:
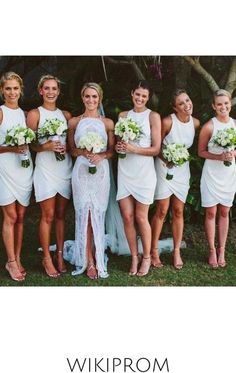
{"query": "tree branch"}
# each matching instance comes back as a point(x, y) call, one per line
point(231, 82)
point(194, 62)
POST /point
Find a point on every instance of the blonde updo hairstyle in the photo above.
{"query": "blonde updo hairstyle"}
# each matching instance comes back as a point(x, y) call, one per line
point(219, 93)
point(10, 75)
point(94, 86)
point(44, 78)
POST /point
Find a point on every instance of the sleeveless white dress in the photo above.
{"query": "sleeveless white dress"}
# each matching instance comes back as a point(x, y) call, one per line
point(136, 173)
point(218, 182)
point(180, 133)
point(51, 176)
point(15, 180)
point(90, 195)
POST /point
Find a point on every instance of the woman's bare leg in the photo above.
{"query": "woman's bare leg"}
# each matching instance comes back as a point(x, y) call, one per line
point(158, 219)
point(141, 217)
point(45, 226)
point(18, 234)
point(177, 229)
point(60, 211)
point(127, 211)
point(223, 227)
point(8, 228)
point(210, 229)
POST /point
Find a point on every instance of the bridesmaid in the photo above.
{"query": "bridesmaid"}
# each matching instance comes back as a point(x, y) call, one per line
point(90, 191)
point(52, 178)
point(176, 128)
point(137, 178)
point(218, 181)
point(15, 181)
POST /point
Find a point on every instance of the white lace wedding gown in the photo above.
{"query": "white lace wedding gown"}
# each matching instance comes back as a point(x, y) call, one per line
point(90, 196)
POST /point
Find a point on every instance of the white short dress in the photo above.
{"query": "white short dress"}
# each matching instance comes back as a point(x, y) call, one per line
point(180, 133)
point(50, 175)
point(136, 173)
point(15, 180)
point(218, 182)
point(90, 196)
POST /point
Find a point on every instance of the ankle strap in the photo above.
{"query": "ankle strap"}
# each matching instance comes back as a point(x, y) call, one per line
point(11, 261)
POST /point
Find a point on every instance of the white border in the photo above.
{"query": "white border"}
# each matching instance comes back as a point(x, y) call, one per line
point(39, 327)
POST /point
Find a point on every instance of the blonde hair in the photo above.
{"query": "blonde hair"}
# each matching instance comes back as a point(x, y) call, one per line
point(219, 93)
point(10, 75)
point(95, 86)
point(44, 78)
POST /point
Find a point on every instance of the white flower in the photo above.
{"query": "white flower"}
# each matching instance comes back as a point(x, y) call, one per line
point(176, 153)
point(19, 135)
point(92, 141)
point(225, 138)
point(127, 129)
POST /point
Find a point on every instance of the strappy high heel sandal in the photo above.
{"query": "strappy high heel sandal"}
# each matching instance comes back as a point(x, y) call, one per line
point(145, 266)
point(136, 259)
point(212, 259)
point(177, 265)
point(53, 274)
point(220, 252)
point(12, 271)
point(92, 271)
point(61, 269)
point(155, 259)
point(21, 268)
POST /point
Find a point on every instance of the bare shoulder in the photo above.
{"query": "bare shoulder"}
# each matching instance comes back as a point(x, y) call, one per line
point(34, 113)
point(67, 114)
point(196, 123)
point(123, 114)
point(72, 123)
point(167, 121)
point(207, 128)
point(154, 118)
point(154, 115)
point(1, 116)
point(32, 119)
point(108, 123)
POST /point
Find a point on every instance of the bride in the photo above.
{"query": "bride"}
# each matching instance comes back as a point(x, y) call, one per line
point(90, 191)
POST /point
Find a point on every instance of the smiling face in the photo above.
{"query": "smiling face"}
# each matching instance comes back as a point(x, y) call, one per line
point(140, 97)
point(91, 99)
point(11, 91)
point(222, 106)
point(183, 105)
point(49, 91)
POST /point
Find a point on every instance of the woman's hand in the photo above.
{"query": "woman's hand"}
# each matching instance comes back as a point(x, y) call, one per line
point(54, 146)
point(96, 158)
point(125, 147)
point(169, 164)
point(20, 149)
point(227, 156)
point(120, 147)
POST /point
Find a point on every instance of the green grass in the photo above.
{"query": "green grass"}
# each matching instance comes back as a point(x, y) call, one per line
point(195, 272)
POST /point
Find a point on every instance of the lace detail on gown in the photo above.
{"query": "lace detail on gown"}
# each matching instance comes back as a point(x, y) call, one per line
point(90, 196)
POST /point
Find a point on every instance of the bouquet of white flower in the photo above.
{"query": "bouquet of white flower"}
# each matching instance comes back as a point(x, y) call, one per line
point(225, 139)
point(54, 130)
point(17, 136)
point(94, 143)
point(127, 129)
point(177, 154)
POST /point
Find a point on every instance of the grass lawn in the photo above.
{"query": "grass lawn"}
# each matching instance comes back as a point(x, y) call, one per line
point(194, 273)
